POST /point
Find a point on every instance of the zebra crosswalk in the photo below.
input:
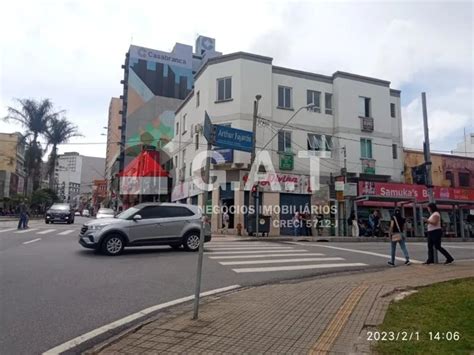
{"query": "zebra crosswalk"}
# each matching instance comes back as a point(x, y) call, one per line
point(39, 231)
point(257, 257)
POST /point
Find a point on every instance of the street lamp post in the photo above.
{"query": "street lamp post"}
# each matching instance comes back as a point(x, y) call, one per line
point(254, 201)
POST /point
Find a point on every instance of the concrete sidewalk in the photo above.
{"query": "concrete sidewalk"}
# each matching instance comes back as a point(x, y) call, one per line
point(321, 315)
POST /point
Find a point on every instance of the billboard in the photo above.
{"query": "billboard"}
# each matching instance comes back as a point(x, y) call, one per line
point(157, 83)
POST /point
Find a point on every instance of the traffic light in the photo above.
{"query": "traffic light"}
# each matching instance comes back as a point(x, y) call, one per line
point(418, 174)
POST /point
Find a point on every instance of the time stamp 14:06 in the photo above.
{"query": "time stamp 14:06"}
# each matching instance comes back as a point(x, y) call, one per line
point(412, 336)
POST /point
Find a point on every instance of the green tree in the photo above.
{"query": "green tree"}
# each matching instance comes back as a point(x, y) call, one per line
point(59, 131)
point(34, 116)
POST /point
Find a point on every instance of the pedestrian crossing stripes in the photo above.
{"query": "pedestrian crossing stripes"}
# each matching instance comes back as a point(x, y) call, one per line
point(26, 230)
point(46, 231)
point(7, 230)
point(271, 257)
point(66, 232)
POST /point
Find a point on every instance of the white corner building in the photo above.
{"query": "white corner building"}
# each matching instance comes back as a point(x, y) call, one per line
point(352, 113)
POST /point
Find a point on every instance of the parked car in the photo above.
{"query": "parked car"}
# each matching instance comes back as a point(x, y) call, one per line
point(86, 213)
point(77, 213)
point(146, 224)
point(105, 213)
point(59, 212)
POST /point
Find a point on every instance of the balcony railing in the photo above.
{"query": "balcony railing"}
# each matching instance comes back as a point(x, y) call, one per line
point(367, 124)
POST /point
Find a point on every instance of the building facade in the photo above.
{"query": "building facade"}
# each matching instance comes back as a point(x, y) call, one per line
point(113, 144)
point(154, 85)
point(447, 170)
point(12, 165)
point(75, 175)
point(354, 126)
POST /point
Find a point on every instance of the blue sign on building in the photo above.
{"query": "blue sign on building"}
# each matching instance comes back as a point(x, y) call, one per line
point(227, 154)
point(232, 138)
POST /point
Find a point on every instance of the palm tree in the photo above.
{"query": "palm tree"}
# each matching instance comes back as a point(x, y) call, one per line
point(59, 131)
point(34, 116)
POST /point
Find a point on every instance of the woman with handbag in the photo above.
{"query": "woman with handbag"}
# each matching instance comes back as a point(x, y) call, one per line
point(397, 225)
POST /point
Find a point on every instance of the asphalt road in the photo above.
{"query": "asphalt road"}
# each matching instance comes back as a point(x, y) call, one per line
point(53, 290)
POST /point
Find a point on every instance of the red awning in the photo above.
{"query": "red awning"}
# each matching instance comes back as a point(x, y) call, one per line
point(145, 164)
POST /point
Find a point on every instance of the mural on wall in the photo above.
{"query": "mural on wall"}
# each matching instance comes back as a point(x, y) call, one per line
point(157, 84)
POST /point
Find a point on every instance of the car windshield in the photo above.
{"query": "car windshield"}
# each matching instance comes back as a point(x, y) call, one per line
point(128, 213)
point(60, 207)
point(106, 211)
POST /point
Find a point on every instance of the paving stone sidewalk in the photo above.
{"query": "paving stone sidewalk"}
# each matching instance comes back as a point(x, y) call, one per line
point(314, 316)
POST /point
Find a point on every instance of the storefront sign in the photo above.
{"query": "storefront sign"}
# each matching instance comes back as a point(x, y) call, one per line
point(286, 162)
point(417, 192)
point(289, 183)
point(339, 186)
point(350, 189)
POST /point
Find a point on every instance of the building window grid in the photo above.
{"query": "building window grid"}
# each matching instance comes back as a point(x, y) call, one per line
point(285, 97)
point(392, 110)
point(364, 106)
point(314, 98)
point(366, 148)
point(284, 141)
point(319, 142)
point(394, 151)
point(198, 99)
point(464, 179)
point(328, 103)
point(224, 89)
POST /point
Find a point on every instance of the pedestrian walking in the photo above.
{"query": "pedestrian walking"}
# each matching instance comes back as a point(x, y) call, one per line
point(225, 222)
point(374, 223)
point(22, 210)
point(397, 235)
point(297, 224)
point(434, 235)
point(352, 221)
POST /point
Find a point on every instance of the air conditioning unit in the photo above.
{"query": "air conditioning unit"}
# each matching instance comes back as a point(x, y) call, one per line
point(198, 128)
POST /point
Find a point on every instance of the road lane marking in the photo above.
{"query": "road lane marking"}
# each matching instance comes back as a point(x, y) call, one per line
point(257, 251)
point(250, 248)
point(46, 231)
point(297, 267)
point(361, 252)
point(120, 322)
point(262, 256)
point(8, 230)
point(276, 261)
point(66, 232)
point(26, 230)
point(31, 241)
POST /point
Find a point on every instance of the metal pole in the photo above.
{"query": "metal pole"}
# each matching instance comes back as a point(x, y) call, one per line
point(254, 142)
point(197, 291)
point(257, 203)
point(346, 226)
point(429, 181)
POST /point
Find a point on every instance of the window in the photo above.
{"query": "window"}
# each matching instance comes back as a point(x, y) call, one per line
point(198, 99)
point(284, 141)
point(177, 129)
point(464, 179)
point(328, 103)
point(191, 169)
point(224, 89)
point(394, 151)
point(184, 124)
point(450, 178)
point(319, 142)
point(314, 98)
point(196, 141)
point(150, 212)
point(284, 97)
point(171, 211)
point(366, 148)
point(392, 110)
point(364, 106)
point(176, 161)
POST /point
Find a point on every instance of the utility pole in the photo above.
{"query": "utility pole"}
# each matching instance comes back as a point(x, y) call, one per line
point(255, 201)
point(429, 181)
point(346, 227)
point(202, 234)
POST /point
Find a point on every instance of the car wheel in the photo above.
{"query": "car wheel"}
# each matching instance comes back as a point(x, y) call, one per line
point(47, 222)
point(112, 244)
point(191, 241)
point(175, 246)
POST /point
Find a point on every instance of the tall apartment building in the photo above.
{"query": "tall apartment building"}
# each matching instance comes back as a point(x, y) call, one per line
point(12, 164)
point(75, 175)
point(113, 141)
point(354, 114)
point(154, 85)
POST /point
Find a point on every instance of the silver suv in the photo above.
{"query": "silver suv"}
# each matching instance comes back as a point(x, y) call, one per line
point(146, 224)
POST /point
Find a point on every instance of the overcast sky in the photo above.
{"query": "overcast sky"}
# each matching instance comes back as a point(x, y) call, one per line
point(71, 51)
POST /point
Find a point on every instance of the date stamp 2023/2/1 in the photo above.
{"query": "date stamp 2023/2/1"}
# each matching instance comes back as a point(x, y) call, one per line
point(412, 336)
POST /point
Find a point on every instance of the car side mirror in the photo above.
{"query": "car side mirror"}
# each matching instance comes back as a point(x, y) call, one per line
point(137, 217)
